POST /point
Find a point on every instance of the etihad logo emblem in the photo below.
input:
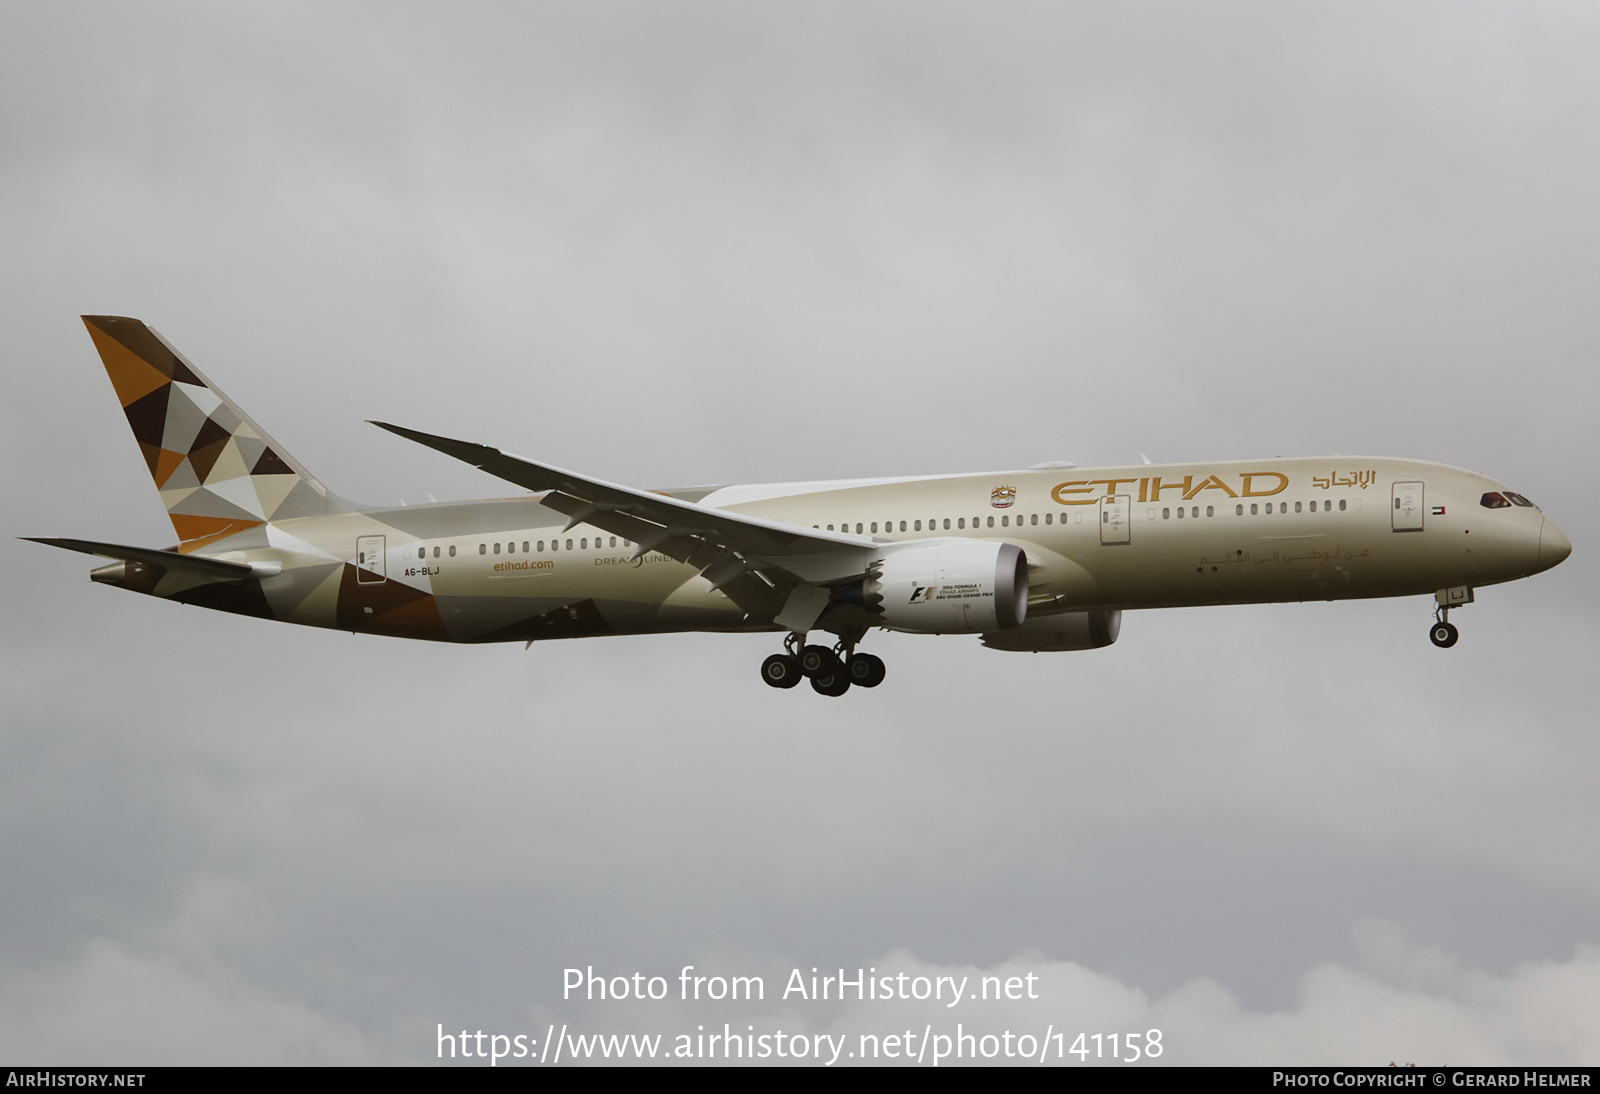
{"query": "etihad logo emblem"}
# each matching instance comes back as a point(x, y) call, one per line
point(1003, 497)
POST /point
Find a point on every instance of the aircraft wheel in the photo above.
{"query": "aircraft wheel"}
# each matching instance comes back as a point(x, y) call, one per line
point(1444, 635)
point(818, 661)
point(865, 670)
point(833, 683)
point(781, 671)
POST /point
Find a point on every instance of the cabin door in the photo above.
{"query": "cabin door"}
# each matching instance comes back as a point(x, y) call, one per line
point(1405, 507)
point(1114, 512)
point(369, 560)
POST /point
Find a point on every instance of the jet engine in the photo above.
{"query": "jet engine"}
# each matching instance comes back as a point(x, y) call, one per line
point(950, 586)
point(1060, 632)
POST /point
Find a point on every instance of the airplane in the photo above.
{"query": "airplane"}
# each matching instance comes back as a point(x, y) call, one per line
point(1038, 560)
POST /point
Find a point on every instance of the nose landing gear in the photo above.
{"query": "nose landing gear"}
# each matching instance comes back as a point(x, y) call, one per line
point(831, 671)
point(1443, 633)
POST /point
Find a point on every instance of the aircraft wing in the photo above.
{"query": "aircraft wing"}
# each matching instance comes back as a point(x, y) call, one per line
point(754, 562)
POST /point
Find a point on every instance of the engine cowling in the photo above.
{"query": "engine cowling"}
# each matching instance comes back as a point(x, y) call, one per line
point(1060, 632)
point(951, 586)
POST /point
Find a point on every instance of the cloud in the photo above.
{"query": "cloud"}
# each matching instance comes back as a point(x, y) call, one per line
point(112, 1005)
point(1402, 1004)
point(1397, 1002)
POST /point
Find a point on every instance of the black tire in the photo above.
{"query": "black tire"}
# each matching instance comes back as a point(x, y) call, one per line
point(780, 671)
point(818, 661)
point(834, 683)
point(865, 670)
point(1444, 635)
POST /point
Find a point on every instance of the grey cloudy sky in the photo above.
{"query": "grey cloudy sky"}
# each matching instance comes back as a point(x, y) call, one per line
point(717, 242)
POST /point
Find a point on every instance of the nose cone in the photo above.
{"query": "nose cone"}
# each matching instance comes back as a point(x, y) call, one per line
point(1554, 546)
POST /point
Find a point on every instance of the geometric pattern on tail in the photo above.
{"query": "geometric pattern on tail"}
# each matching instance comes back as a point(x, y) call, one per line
point(218, 472)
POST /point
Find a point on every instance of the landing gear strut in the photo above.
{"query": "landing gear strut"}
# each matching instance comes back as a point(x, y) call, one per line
point(831, 671)
point(1444, 632)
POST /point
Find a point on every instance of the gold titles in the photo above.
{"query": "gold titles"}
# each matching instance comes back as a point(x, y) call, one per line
point(1252, 484)
point(1361, 480)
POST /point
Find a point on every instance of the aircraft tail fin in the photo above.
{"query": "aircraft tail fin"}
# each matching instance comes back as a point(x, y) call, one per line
point(218, 472)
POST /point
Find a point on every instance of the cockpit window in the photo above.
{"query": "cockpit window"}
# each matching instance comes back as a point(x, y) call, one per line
point(1518, 499)
point(1492, 500)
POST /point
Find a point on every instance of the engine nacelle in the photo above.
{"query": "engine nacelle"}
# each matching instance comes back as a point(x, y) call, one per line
point(1060, 632)
point(951, 586)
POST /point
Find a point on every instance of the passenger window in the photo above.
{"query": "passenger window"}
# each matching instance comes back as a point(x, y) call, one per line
point(524, 546)
point(613, 541)
point(452, 550)
point(1033, 518)
point(1238, 510)
point(569, 545)
point(1297, 507)
point(1005, 521)
point(496, 548)
point(874, 526)
point(830, 527)
point(1194, 511)
point(540, 545)
point(1327, 506)
point(1253, 509)
point(483, 549)
point(991, 522)
point(584, 543)
point(555, 545)
point(1341, 505)
point(1047, 518)
point(858, 527)
point(1211, 511)
point(918, 526)
point(946, 524)
point(511, 548)
point(902, 526)
point(961, 522)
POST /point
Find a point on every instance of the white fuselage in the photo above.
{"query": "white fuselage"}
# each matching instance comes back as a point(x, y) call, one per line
point(1115, 538)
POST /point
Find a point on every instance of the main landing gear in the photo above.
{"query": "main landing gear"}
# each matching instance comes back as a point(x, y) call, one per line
point(831, 671)
point(1444, 632)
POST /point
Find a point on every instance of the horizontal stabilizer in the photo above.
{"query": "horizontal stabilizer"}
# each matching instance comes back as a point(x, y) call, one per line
point(194, 566)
